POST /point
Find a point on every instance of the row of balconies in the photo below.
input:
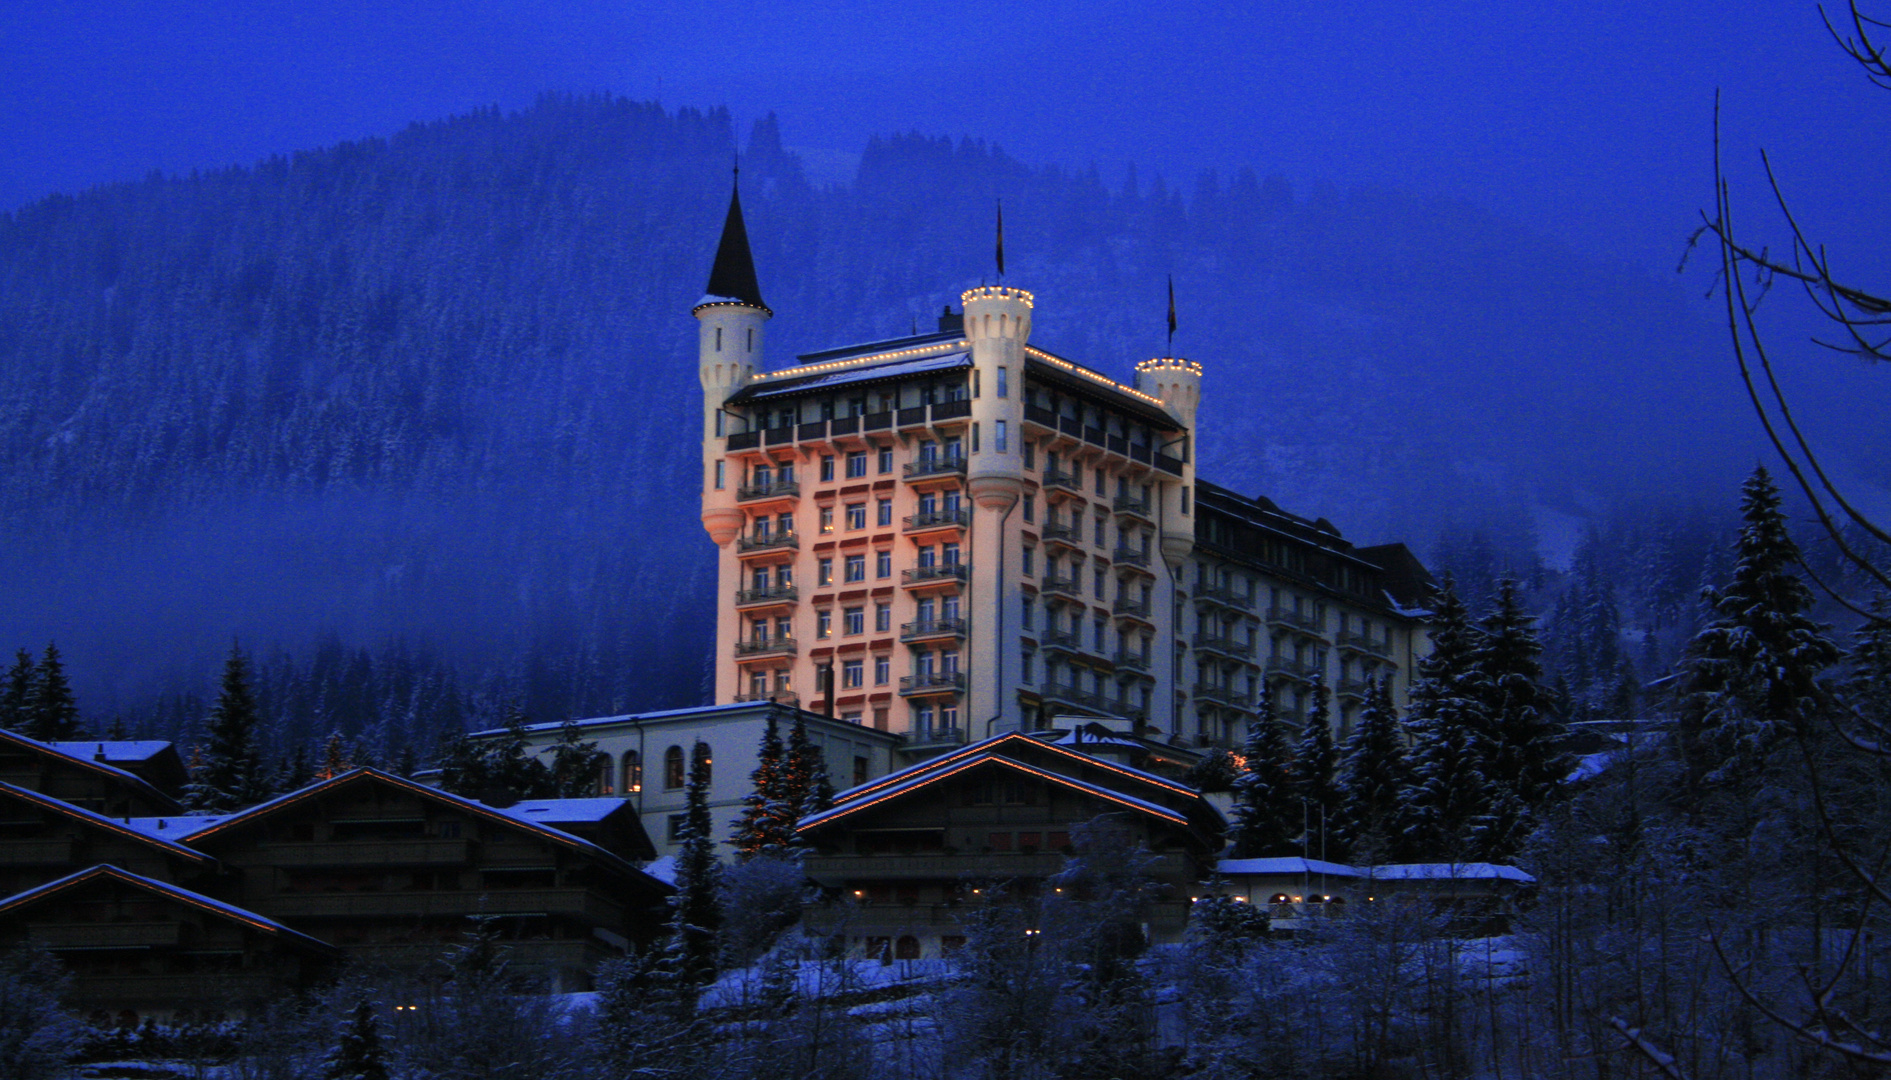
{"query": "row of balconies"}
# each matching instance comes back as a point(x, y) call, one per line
point(1075, 429)
point(817, 431)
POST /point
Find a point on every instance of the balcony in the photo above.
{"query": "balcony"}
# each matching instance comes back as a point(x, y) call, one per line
point(1353, 688)
point(1298, 620)
point(768, 647)
point(1131, 661)
point(36, 851)
point(774, 594)
point(1132, 609)
point(1059, 533)
point(779, 697)
point(1226, 646)
point(930, 737)
point(1363, 643)
point(767, 542)
point(1291, 668)
point(1054, 479)
point(938, 519)
point(409, 852)
point(1051, 585)
point(98, 935)
point(1225, 695)
point(1133, 505)
point(1222, 594)
point(938, 574)
point(778, 490)
point(1083, 699)
point(1125, 556)
point(923, 629)
point(1067, 640)
point(949, 464)
point(582, 903)
point(932, 682)
point(951, 410)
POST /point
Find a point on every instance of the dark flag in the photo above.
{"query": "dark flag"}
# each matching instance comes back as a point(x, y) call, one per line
point(1001, 238)
point(1171, 314)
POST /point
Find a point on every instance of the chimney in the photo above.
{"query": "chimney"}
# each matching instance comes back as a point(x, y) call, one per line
point(951, 322)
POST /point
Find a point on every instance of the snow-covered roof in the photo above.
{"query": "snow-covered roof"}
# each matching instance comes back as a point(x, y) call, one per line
point(113, 749)
point(1286, 866)
point(855, 804)
point(988, 745)
point(790, 381)
point(128, 828)
point(567, 810)
point(166, 889)
point(85, 761)
point(175, 826)
point(1469, 871)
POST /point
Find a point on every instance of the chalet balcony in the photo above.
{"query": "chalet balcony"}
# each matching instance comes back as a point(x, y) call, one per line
point(774, 594)
point(36, 851)
point(1128, 556)
point(1132, 505)
point(99, 935)
point(580, 903)
point(995, 866)
point(1226, 646)
point(776, 541)
point(937, 574)
point(1051, 585)
point(767, 647)
point(778, 490)
point(946, 465)
point(1363, 643)
point(928, 629)
point(779, 697)
point(411, 852)
point(927, 520)
point(1222, 594)
point(932, 682)
point(1298, 620)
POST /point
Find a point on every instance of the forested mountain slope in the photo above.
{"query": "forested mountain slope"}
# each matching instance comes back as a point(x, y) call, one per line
point(440, 387)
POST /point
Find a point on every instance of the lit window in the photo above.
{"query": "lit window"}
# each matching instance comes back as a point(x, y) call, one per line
point(824, 572)
point(823, 624)
point(827, 519)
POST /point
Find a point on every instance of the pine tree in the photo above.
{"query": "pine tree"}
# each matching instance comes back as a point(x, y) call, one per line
point(230, 773)
point(334, 757)
point(688, 959)
point(16, 696)
point(1267, 813)
point(1316, 760)
point(1373, 777)
point(1868, 677)
point(1449, 801)
point(1525, 737)
point(496, 771)
point(357, 1054)
point(764, 824)
point(576, 764)
point(805, 787)
point(1750, 679)
point(52, 713)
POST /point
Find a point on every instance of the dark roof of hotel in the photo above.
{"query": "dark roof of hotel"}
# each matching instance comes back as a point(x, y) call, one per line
point(1107, 395)
point(732, 277)
point(788, 383)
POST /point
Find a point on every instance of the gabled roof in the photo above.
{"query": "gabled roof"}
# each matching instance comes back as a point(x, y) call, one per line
point(130, 830)
point(857, 804)
point(113, 749)
point(169, 892)
point(732, 278)
point(130, 780)
point(365, 775)
point(1290, 865)
point(1006, 741)
point(175, 826)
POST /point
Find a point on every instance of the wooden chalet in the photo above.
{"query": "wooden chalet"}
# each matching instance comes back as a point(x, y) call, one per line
point(79, 780)
point(43, 838)
point(390, 869)
point(908, 850)
point(138, 947)
point(155, 761)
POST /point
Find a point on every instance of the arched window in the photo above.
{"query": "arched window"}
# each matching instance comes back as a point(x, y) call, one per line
point(906, 948)
point(633, 773)
point(607, 775)
point(709, 763)
point(673, 767)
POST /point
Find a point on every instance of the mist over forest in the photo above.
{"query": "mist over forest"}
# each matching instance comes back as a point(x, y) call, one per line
point(412, 419)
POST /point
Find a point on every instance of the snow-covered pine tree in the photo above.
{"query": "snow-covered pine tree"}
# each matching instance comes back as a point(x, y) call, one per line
point(230, 772)
point(1316, 760)
point(576, 764)
point(1526, 738)
point(1449, 798)
point(357, 1054)
point(1373, 777)
point(805, 787)
point(17, 694)
point(1267, 814)
point(1585, 634)
point(1868, 670)
point(52, 712)
point(334, 757)
point(687, 961)
point(496, 771)
point(1750, 678)
point(765, 823)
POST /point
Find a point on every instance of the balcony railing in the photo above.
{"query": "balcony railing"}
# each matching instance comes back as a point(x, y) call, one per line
point(936, 466)
point(1054, 478)
point(1127, 556)
point(779, 697)
point(1227, 646)
point(933, 682)
point(1226, 695)
point(768, 541)
point(1131, 504)
point(921, 575)
point(778, 490)
point(1050, 585)
point(1300, 620)
point(935, 736)
point(774, 594)
point(1363, 643)
point(1353, 688)
point(1086, 699)
point(768, 647)
point(930, 628)
point(939, 519)
point(1138, 609)
point(1131, 661)
point(1060, 639)
point(1222, 594)
point(1061, 533)
point(1293, 669)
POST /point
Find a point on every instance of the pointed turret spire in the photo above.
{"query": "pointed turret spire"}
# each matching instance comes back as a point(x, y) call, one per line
point(732, 278)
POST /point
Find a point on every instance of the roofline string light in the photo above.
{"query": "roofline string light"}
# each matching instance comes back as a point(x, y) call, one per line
point(1170, 363)
point(956, 345)
point(1032, 350)
point(997, 292)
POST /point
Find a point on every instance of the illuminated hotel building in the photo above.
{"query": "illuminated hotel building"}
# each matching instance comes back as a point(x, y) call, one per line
point(960, 533)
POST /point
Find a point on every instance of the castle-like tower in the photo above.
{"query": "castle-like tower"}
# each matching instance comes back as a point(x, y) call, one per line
point(959, 533)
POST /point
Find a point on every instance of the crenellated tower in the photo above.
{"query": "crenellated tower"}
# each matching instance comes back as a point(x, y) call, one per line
point(997, 328)
point(1178, 384)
